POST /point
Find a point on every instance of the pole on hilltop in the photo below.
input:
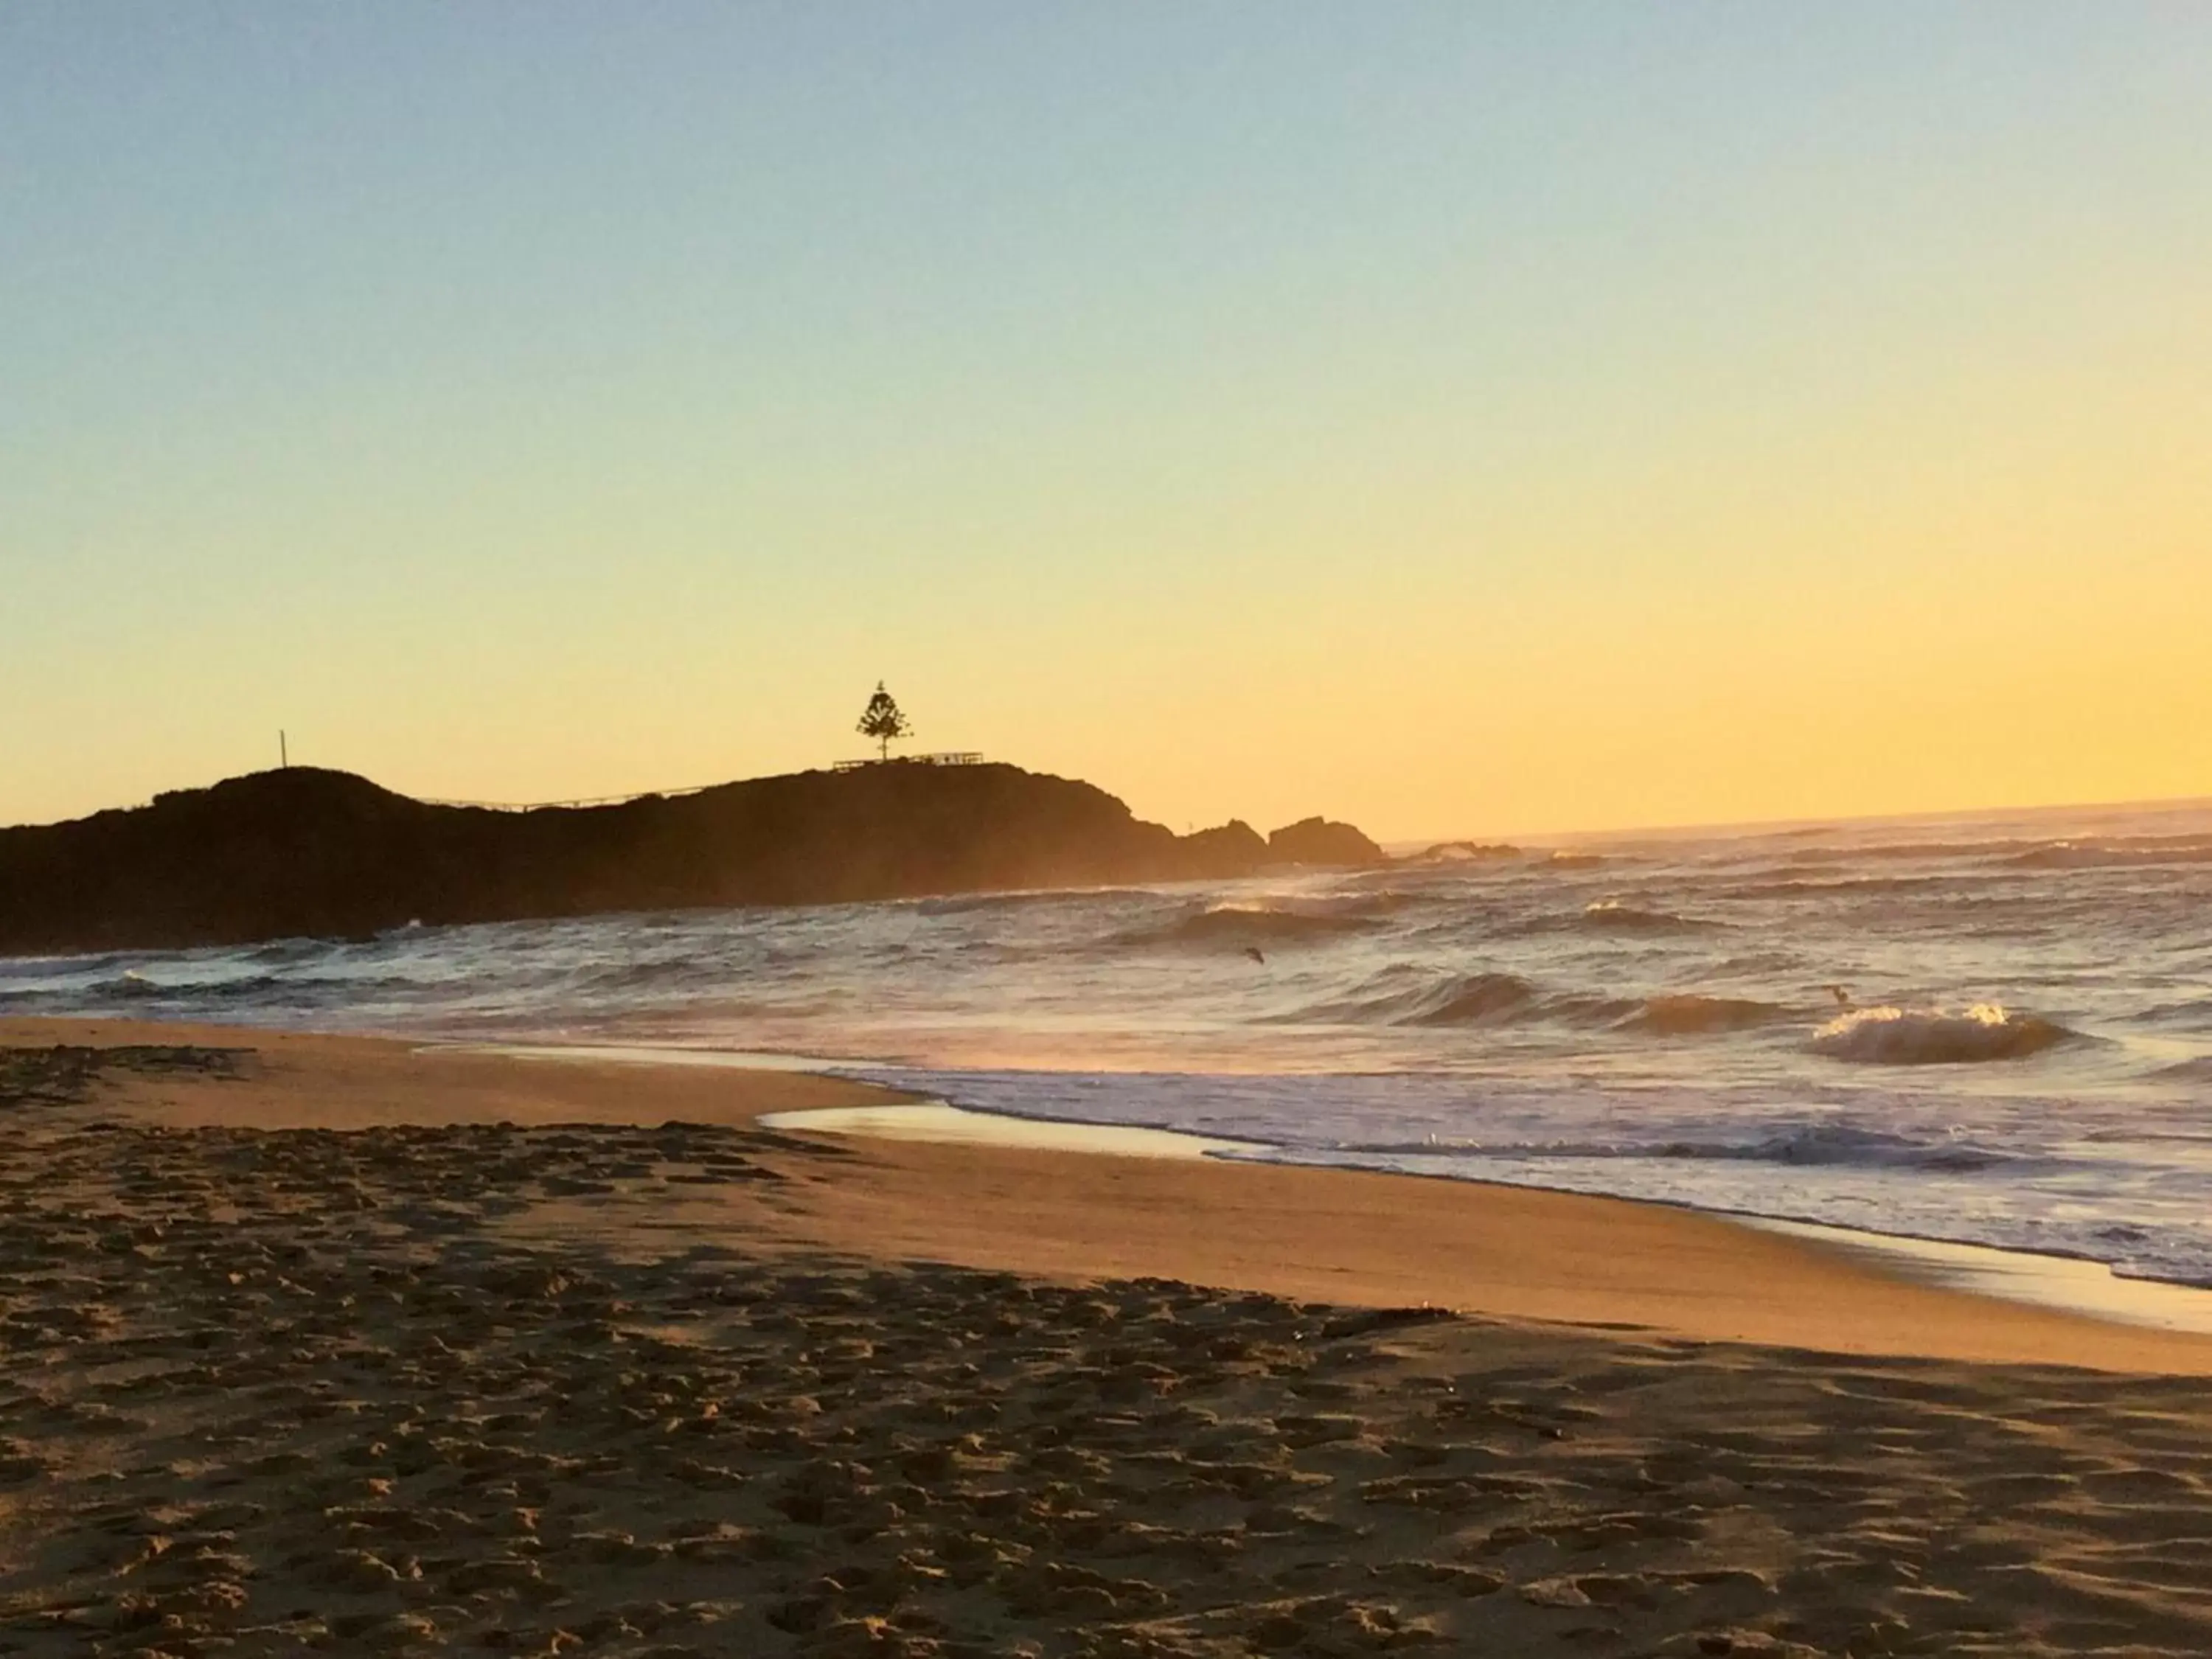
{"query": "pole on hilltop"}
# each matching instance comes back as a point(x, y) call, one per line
point(283, 751)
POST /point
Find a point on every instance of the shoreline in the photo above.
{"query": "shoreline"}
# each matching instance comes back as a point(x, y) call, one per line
point(1529, 1255)
point(338, 1345)
point(2082, 1285)
point(2075, 1284)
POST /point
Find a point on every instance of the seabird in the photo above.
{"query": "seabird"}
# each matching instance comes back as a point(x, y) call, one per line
point(1253, 951)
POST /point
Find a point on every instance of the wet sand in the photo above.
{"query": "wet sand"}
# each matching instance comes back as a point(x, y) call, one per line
point(322, 1343)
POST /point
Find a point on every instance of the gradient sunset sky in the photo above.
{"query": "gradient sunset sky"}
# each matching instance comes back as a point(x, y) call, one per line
point(1460, 418)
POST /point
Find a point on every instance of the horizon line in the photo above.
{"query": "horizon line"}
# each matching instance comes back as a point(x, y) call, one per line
point(1920, 814)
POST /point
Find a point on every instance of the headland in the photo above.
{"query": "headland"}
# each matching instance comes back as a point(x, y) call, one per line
point(303, 852)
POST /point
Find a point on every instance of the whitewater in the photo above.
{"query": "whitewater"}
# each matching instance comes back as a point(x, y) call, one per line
point(1993, 1030)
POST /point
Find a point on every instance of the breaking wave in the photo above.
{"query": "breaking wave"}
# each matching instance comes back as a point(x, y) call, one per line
point(281, 951)
point(1476, 1000)
point(273, 991)
point(1804, 1145)
point(1933, 1037)
point(1613, 915)
point(1396, 997)
point(673, 975)
point(1844, 885)
point(2123, 852)
point(1843, 1145)
point(129, 986)
point(1401, 996)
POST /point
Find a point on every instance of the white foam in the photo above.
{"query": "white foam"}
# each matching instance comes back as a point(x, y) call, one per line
point(2063, 1282)
point(935, 1121)
point(1890, 1035)
point(643, 1055)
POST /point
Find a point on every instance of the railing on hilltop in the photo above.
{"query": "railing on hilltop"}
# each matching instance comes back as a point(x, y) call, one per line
point(942, 757)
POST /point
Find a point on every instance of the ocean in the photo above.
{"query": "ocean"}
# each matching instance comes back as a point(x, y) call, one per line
point(1992, 1030)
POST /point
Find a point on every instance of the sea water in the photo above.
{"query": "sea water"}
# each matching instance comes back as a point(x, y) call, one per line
point(1992, 1029)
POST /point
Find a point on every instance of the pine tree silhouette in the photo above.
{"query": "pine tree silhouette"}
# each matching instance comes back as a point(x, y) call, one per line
point(882, 721)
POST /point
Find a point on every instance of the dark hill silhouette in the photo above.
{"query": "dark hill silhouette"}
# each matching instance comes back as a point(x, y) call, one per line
point(1233, 849)
point(1320, 840)
point(305, 852)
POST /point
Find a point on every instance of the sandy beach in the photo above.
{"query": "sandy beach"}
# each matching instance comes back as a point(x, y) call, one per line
point(331, 1343)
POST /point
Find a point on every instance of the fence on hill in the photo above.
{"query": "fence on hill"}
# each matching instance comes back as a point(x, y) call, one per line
point(942, 757)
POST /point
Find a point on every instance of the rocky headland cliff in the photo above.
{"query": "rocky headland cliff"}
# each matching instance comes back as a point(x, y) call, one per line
point(306, 852)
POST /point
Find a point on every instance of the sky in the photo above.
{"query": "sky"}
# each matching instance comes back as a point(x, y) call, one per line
point(1458, 418)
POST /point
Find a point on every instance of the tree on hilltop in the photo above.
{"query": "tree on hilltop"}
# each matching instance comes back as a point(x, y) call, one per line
point(882, 721)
